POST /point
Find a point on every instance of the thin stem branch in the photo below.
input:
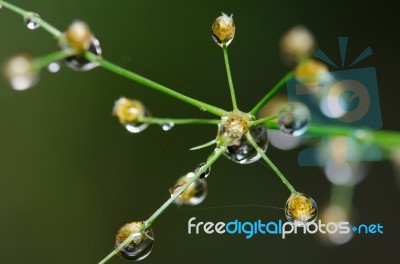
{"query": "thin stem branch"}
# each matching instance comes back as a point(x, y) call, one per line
point(228, 73)
point(178, 121)
point(263, 120)
point(271, 164)
point(272, 93)
point(384, 138)
point(117, 249)
point(212, 158)
point(27, 14)
point(149, 83)
point(41, 62)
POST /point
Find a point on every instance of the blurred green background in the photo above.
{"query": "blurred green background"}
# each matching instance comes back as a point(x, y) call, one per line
point(70, 175)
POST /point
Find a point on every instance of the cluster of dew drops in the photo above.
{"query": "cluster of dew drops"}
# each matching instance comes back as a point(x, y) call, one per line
point(293, 118)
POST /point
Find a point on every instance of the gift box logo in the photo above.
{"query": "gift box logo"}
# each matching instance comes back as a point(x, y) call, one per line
point(346, 97)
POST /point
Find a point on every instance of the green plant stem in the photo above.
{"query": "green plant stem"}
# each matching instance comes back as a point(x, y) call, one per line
point(384, 138)
point(272, 93)
point(149, 83)
point(117, 249)
point(263, 120)
point(178, 121)
point(27, 14)
point(271, 164)
point(41, 62)
point(228, 73)
point(212, 158)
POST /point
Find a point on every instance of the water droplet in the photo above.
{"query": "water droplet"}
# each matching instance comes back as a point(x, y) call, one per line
point(128, 112)
point(204, 174)
point(293, 119)
point(194, 194)
point(20, 72)
point(80, 63)
point(202, 108)
point(223, 30)
point(167, 126)
point(241, 151)
point(137, 127)
point(301, 208)
point(54, 67)
point(142, 242)
point(30, 21)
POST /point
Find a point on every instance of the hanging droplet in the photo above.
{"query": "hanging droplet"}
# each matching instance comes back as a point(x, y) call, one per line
point(301, 208)
point(241, 151)
point(293, 119)
point(297, 44)
point(223, 30)
point(194, 194)
point(20, 72)
point(142, 242)
point(54, 67)
point(80, 63)
point(204, 174)
point(128, 112)
point(167, 126)
point(30, 21)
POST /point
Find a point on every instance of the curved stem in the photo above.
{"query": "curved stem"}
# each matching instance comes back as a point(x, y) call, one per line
point(212, 158)
point(384, 138)
point(271, 164)
point(263, 120)
point(272, 93)
point(27, 14)
point(149, 83)
point(41, 62)
point(228, 73)
point(178, 121)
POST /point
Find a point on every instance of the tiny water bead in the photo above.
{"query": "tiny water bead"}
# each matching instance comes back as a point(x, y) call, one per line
point(30, 22)
point(293, 119)
point(223, 30)
point(301, 208)
point(204, 174)
point(20, 72)
point(241, 150)
point(297, 44)
point(128, 112)
point(141, 244)
point(194, 194)
point(167, 126)
point(54, 67)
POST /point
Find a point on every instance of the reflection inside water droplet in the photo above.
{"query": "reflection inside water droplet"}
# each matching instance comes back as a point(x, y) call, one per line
point(241, 151)
point(80, 63)
point(142, 242)
point(204, 174)
point(30, 23)
point(167, 126)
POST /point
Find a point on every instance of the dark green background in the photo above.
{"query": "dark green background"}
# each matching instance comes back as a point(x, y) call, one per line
point(70, 175)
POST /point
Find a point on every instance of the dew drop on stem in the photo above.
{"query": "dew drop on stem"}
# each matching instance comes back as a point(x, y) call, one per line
point(30, 21)
point(167, 126)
